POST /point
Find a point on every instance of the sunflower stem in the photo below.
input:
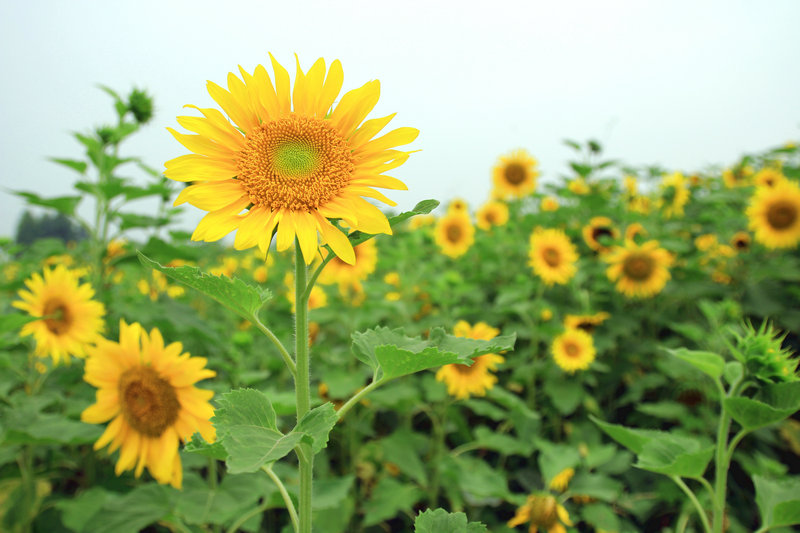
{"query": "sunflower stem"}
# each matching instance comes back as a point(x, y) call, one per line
point(284, 494)
point(357, 396)
point(721, 463)
point(279, 345)
point(302, 385)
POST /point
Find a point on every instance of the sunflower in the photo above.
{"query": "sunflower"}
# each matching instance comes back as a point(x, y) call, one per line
point(421, 221)
point(454, 234)
point(493, 213)
point(705, 242)
point(768, 177)
point(147, 391)
point(560, 481)
point(639, 270)
point(347, 276)
point(587, 323)
point(542, 511)
point(552, 256)
point(640, 204)
point(549, 203)
point(741, 241)
point(774, 214)
point(69, 319)
point(599, 234)
point(633, 231)
point(578, 186)
point(457, 204)
point(738, 176)
point(462, 380)
point(674, 194)
point(290, 158)
point(515, 175)
point(573, 350)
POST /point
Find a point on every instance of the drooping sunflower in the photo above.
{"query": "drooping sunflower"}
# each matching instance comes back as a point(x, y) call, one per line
point(552, 256)
point(71, 320)
point(573, 350)
point(738, 176)
point(347, 276)
point(493, 213)
point(542, 511)
point(640, 271)
point(515, 175)
point(774, 214)
point(146, 390)
point(674, 194)
point(464, 381)
point(587, 323)
point(290, 158)
point(454, 234)
point(600, 233)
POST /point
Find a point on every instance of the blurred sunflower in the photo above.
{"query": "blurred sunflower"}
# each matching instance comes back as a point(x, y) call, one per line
point(741, 241)
point(347, 276)
point(640, 204)
point(738, 176)
point(147, 391)
point(542, 511)
point(674, 194)
point(549, 203)
point(515, 175)
point(600, 234)
point(458, 204)
point(587, 323)
point(454, 234)
point(640, 271)
point(552, 256)
point(705, 242)
point(578, 186)
point(290, 158)
point(633, 231)
point(573, 350)
point(317, 298)
point(768, 177)
point(70, 320)
point(421, 221)
point(560, 481)
point(463, 381)
point(493, 213)
point(774, 214)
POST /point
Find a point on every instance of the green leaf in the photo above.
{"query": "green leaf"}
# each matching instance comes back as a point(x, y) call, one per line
point(14, 322)
point(78, 166)
point(330, 493)
point(778, 500)
point(773, 404)
point(241, 298)
point(422, 208)
point(556, 458)
point(675, 455)
point(440, 521)
point(134, 220)
point(487, 439)
point(632, 438)
point(317, 425)
point(199, 446)
point(398, 448)
point(62, 204)
point(566, 394)
point(396, 355)
point(596, 486)
point(709, 363)
point(480, 480)
point(601, 516)
point(734, 371)
point(76, 511)
point(389, 498)
point(134, 511)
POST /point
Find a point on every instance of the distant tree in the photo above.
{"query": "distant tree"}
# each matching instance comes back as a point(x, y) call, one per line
point(30, 228)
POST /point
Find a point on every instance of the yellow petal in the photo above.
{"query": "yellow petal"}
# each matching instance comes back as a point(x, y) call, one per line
point(306, 226)
point(314, 78)
point(370, 218)
point(266, 93)
point(227, 137)
point(252, 227)
point(333, 84)
point(211, 196)
point(286, 231)
point(354, 107)
point(337, 240)
point(217, 224)
point(281, 86)
point(397, 137)
point(368, 130)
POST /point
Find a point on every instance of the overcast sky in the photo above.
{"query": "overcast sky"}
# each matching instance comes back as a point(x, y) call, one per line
point(684, 84)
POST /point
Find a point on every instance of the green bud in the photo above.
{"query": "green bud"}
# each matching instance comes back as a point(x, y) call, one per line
point(141, 105)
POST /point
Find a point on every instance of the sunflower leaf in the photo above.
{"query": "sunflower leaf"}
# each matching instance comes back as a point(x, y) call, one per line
point(199, 446)
point(775, 403)
point(241, 298)
point(422, 208)
point(62, 204)
point(439, 521)
point(709, 363)
point(316, 425)
point(778, 501)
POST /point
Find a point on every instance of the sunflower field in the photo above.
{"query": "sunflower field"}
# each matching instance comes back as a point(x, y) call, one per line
point(611, 349)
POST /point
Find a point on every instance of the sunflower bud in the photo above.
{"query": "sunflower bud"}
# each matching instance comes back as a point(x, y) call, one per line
point(762, 353)
point(141, 105)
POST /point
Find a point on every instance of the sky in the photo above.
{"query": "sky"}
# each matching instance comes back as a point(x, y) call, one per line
point(682, 84)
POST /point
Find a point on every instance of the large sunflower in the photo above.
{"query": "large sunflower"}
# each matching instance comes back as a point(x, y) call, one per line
point(147, 391)
point(515, 175)
point(674, 194)
point(493, 213)
point(600, 233)
point(640, 271)
point(774, 214)
point(552, 256)
point(73, 320)
point(462, 380)
point(347, 276)
point(454, 234)
point(290, 159)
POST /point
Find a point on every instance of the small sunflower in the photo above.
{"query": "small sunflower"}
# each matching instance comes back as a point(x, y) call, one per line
point(290, 159)
point(741, 241)
point(774, 214)
point(464, 381)
point(347, 276)
point(600, 233)
point(542, 511)
point(515, 175)
point(587, 323)
point(634, 231)
point(573, 350)
point(147, 391)
point(458, 204)
point(454, 234)
point(705, 242)
point(640, 271)
point(768, 177)
point(552, 256)
point(631, 185)
point(549, 203)
point(738, 176)
point(421, 221)
point(493, 213)
point(674, 194)
point(640, 204)
point(579, 186)
point(73, 320)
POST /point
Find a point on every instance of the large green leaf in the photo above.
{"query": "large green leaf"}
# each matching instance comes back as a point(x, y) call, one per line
point(132, 512)
point(399, 449)
point(78, 166)
point(389, 498)
point(632, 438)
point(709, 363)
point(778, 500)
point(13, 322)
point(316, 425)
point(773, 404)
point(440, 521)
point(675, 455)
point(330, 493)
point(243, 299)
point(62, 204)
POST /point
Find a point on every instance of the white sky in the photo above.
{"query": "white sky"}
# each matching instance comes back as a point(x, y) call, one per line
point(683, 83)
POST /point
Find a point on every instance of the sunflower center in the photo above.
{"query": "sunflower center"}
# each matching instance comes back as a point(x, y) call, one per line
point(544, 512)
point(60, 319)
point(454, 233)
point(602, 235)
point(148, 401)
point(638, 267)
point(514, 173)
point(551, 257)
point(296, 163)
point(572, 349)
point(782, 214)
point(741, 243)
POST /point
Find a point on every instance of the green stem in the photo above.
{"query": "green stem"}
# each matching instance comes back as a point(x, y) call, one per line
point(703, 518)
point(735, 442)
point(284, 494)
point(438, 445)
point(245, 517)
point(279, 345)
point(721, 464)
point(315, 275)
point(302, 384)
point(357, 396)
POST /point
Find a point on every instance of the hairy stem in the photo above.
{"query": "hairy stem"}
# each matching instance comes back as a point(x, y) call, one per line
point(302, 384)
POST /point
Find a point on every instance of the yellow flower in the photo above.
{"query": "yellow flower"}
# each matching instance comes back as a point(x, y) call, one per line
point(741, 241)
point(420, 221)
point(774, 214)
point(587, 323)
point(350, 276)
point(392, 278)
point(147, 391)
point(768, 177)
point(578, 186)
point(158, 284)
point(640, 204)
point(546, 315)
point(640, 271)
point(260, 274)
point(705, 242)
point(631, 185)
point(738, 176)
point(290, 157)
point(73, 320)
point(493, 213)
point(549, 203)
point(462, 380)
point(515, 175)
point(634, 230)
point(227, 268)
point(674, 194)
point(560, 481)
point(60, 259)
point(542, 511)
point(457, 204)
point(552, 256)
point(600, 233)
point(115, 248)
point(573, 350)
point(454, 234)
